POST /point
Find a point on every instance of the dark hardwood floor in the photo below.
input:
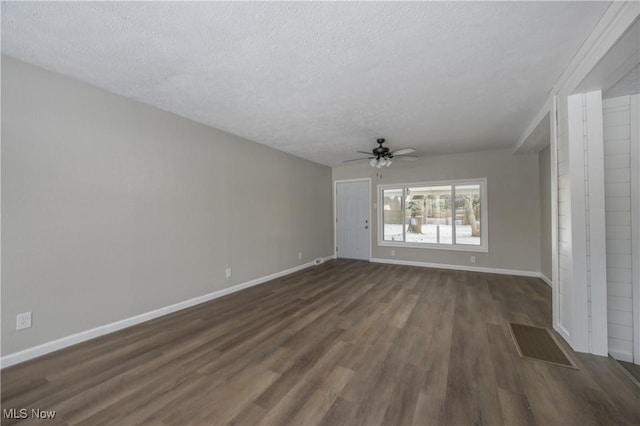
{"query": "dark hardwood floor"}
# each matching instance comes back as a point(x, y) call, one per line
point(633, 369)
point(344, 343)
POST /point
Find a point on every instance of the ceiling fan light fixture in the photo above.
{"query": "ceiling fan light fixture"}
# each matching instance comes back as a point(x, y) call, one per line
point(388, 162)
point(373, 162)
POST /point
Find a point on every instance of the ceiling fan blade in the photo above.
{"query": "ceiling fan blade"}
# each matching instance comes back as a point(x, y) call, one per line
point(364, 152)
point(403, 151)
point(357, 159)
point(405, 157)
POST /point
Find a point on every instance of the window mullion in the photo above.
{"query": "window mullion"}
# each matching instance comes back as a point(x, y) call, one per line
point(453, 215)
point(404, 215)
point(480, 191)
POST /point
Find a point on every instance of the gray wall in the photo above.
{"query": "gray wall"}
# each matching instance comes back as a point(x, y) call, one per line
point(111, 208)
point(544, 167)
point(514, 211)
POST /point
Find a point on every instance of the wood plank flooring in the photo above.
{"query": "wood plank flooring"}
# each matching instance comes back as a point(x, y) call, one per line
point(343, 343)
point(632, 369)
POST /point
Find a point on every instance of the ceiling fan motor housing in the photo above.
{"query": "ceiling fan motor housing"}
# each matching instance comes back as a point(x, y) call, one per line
point(381, 151)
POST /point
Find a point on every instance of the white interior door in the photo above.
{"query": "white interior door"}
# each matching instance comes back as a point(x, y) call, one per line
point(634, 133)
point(352, 220)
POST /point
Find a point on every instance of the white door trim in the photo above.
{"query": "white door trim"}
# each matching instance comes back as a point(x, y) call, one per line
point(588, 286)
point(597, 249)
point(554, 222)
point(635, 220)
point(577, 289)
point(335, 211)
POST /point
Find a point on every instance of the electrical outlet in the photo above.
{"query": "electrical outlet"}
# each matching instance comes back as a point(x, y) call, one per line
point(23, 321)
point(473, 259)
point(228, 272)
point(393, 252)
point(299, 255)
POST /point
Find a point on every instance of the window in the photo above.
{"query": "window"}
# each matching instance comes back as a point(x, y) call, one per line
point(441, 215)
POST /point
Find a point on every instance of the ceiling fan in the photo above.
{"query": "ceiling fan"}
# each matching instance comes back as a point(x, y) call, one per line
point(381, 156)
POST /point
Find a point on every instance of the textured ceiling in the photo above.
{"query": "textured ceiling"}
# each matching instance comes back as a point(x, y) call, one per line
point(318, 80)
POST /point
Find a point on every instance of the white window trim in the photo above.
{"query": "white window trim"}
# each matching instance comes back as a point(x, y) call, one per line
point(484, 208)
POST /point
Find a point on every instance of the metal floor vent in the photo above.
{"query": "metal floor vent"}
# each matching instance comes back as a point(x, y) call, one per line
point(538, 343)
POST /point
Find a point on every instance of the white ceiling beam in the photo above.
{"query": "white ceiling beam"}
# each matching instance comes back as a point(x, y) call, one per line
point(615, 22)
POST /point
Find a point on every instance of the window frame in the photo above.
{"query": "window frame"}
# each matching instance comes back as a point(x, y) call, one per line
point(484, 208)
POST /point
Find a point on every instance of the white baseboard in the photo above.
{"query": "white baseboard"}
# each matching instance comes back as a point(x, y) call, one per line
point(45, 348)
point(459, 267)
point(621, 355)
point(546, 279)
